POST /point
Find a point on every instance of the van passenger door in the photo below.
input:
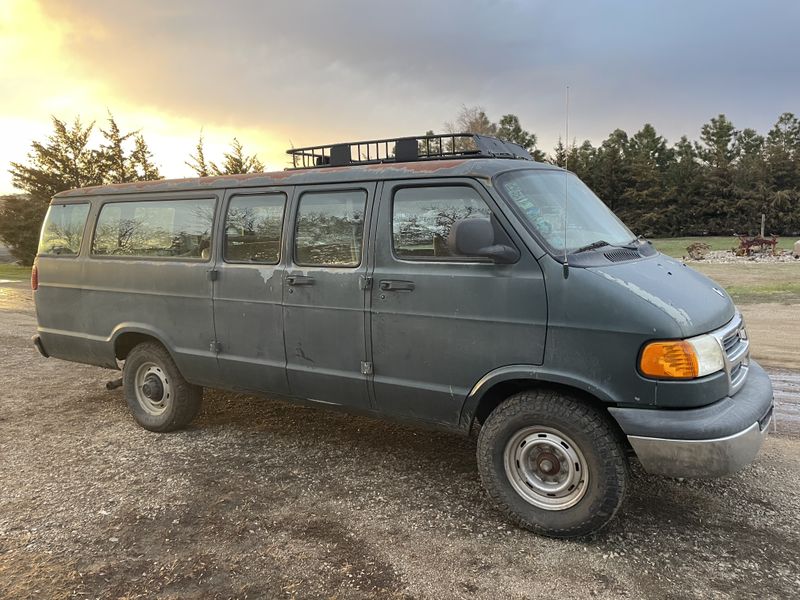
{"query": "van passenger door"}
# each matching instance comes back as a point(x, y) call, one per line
point(248, 290)
point(324, 299)
point(440, 321)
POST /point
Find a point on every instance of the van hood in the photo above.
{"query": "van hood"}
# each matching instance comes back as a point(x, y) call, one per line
point(696, 303)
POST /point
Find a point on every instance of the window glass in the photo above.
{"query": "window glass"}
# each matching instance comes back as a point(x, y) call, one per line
point(548, 198)
point(423, 216)
point(253, 228)
point(330, 227)
point(158, 228)
point(63, 229)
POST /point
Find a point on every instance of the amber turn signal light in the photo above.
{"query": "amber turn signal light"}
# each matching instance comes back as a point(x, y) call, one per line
point(669, 360)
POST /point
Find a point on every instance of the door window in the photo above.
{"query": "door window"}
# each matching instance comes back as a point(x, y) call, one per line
point(423, 216)
point(253, 228)
point(330, 228)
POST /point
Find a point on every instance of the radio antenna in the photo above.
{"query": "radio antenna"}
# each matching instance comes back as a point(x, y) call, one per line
point(566, 179)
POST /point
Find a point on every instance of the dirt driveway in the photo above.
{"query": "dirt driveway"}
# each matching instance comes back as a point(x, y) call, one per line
point(264, 499)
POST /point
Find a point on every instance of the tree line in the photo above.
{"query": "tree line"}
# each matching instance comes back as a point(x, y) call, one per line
point(68, 160)
point(719, 184)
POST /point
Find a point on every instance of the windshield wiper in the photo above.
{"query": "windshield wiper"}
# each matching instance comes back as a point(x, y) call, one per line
point(592, 246)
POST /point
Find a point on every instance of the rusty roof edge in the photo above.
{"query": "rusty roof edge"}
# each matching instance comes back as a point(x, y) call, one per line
point(452, 168)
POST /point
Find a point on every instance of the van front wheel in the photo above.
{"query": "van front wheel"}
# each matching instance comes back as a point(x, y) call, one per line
point(552, 463)
point(158, 396)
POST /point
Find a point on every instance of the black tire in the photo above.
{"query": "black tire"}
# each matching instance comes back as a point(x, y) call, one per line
point(179, 402)
point(555, 426)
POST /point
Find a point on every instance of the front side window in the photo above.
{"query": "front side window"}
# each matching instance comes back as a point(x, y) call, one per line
point(253, 228)
point(422, 218)
point(541, 197)
point(63, 229)
point(155, 229)
point(330, 228)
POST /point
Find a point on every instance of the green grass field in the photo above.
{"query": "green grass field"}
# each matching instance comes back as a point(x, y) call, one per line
point(14, 272)
point(747, 283)
point(676, 247)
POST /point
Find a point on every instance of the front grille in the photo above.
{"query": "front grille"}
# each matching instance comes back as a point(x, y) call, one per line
point(730, 342)
point(733, 339)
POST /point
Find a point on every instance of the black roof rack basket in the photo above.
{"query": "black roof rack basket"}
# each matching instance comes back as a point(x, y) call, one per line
point(406, 149)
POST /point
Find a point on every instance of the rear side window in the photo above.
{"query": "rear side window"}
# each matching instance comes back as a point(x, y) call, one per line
point(330, 228)
point(423, 216)
point(158, 228)
point(253, 228)
point(63, 229)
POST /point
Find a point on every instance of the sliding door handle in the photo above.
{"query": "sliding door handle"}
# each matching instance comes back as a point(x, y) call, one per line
point(299, 280)
point(393, 285)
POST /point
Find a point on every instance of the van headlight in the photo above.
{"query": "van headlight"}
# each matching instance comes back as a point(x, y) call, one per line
point(682, 359)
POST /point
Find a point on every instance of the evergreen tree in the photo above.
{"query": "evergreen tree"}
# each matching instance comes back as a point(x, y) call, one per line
point(509, 129)
point(118, 167)
point(751, 190)
point(20, 220)
point(237, 162)
point(64, 162)
point(142, 161)
point(198, 164)
point(611, 170)
point(718, 152)
point(559, 157)
point(648, 157)
point(783, 152)
point(682, 189)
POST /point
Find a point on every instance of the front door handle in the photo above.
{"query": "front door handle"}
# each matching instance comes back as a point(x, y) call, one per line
point(299, 280)
point(393, 285)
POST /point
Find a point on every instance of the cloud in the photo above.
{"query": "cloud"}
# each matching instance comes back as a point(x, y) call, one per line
point(321, 71)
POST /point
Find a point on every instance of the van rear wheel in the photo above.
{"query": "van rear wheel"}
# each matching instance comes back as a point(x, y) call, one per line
point(158, 396)
point(552, 463)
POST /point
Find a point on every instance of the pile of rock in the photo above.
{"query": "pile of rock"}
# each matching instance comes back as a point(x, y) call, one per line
point(727, 256)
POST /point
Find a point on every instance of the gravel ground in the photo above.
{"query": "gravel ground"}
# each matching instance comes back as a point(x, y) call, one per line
point(261, 498)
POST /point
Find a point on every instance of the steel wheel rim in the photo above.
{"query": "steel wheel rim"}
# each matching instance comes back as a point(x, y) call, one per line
point(546, 468)
point(145, 379)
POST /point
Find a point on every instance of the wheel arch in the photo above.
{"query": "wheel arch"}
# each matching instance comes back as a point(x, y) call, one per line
point(497, 385)
point(127, 336)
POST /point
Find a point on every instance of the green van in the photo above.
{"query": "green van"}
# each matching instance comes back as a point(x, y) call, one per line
point(445, 280)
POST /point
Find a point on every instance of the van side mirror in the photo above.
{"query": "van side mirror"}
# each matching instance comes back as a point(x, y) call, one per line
point(475, 237)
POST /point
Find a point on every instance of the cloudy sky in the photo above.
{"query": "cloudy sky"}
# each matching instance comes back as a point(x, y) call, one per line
point(286, 72)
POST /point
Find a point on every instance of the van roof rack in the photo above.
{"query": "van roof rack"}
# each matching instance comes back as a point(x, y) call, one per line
point(406, 149)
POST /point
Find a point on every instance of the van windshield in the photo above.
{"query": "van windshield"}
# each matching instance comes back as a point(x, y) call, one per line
point(540, 198)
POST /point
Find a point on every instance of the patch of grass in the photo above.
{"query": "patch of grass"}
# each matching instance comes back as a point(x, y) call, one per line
point(756, 282)
point(14, 272)
point(676, 247)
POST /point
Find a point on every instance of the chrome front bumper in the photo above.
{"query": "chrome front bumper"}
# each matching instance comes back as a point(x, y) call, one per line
point(701, 458)
point(709, 441)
